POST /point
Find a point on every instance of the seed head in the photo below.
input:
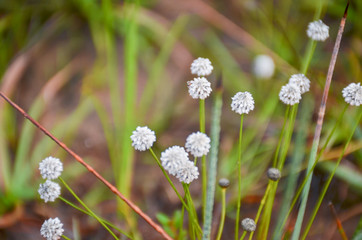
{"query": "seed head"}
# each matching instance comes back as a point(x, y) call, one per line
point(273, 174)
point(49, 191)
point(198, 144)
point(263, 66)
point(242, 102)
point(353, 94)
point(300, 80)
point(172, 158)
point(318, 31)
point(290, 94)
point(143, 138)
point(199, 88)
point(201, 67)
point(224, 183)
point(187, 172)
point(50, 168)
point(52, 229)
point(248, 224)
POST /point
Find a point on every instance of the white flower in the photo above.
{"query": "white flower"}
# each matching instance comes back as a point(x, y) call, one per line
point(172, 158)
point(201, 67)
point(199, 88)
point(318, 31)
point(143, 138)
point(50, 168)
point(187, 172)
point(49, 191)
point(248, 224)
point(263, 66)
point(290, 94)
point(52, 229)
point(300, 80)
point(198, 144)
point(242, 102)
point(353, 94)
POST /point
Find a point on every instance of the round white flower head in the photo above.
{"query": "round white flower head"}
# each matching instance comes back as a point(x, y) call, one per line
point(49, 191)
point(201, 67)
point(242, 102)
point(199, 88)
point(143, 138)
point(318, 31)
point(187, 172)
point(300, 80)
point(248, 224)
point(273, 174)
point(290, 94)
point(172, 158)
point(50, 168)
point(263, 66)
point(198, 144)
point(52, 229)
point(353, 94)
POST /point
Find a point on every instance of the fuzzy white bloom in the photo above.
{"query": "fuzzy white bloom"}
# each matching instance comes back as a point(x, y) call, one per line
point(353, 94)
point(198, 144)
point(199, 88)
point(49, 191)
point(52, 229)
point(172, 158)
point(143, 138)
point(248, 224)
point(50, 168)
point(290, 94)
point(201, 67)
point(318, 31)
point(263, 66)
point(300, 80)
point(187, 172)
point(242, 102)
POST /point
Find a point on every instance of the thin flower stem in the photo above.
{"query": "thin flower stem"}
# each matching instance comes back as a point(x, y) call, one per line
point(222, 217)
point(281, 136)
point(65, 237)
point(203, 159)
point(133, 206)
point(237, 220)
point(262, 203)
point(89, 214)
point(87, 208)
point(338, 221)
point(325, 188)
point(192, 213)
point(319, 125)
point(243, 236)
point(182, 221)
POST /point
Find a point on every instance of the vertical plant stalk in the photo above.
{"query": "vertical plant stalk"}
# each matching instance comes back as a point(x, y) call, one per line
point(338, 222)
point(211, 180)
point(237, 220)
point(133, 206)
point(222, 216)
point(203, 159)
point(318, 128)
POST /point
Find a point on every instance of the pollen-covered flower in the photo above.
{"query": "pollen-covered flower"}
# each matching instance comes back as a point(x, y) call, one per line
point(300, 80)
point(187, 172)
point(50, 168)
point(242, 102)
point(353, 94)
point(199, 88)
point(263, 66)
point(172, 158)
point(52, 229)
point(49, 191)
point(198, 144)
point(290, 94)
point(248, 224)
point(143, 138)
point(318, 31)
point(201, 67)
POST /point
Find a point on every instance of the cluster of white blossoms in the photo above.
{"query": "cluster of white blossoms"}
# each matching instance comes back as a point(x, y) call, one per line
point(300, 80)
point(291, 93)
point(200, 87)
point(198, 144)
point(143, 138)
point(353, 94)
point(242, 102)
point(248, 224)
point(318, 31)
point(52, 229)
point(50, 168)
point(263, 66)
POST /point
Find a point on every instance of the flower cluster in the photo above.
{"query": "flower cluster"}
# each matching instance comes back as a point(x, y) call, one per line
point(242, 102)
point(263, 66)
point(353, 94)
point(290, 94)
point(49, 191)
point(318, 31)
point(200, 87)
point(50, 168)
point(143, 138)
point(201, 67)
point(198, 144)
point(52, 229)
point(301, 81)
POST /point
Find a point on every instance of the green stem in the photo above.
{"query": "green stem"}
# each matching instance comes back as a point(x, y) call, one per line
point(237, 221)
point(88, 209)
point(203, 161)
point(243, 236)
point(65, 237)
point(222, 217)
point(192, 213)
point(89, 214)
